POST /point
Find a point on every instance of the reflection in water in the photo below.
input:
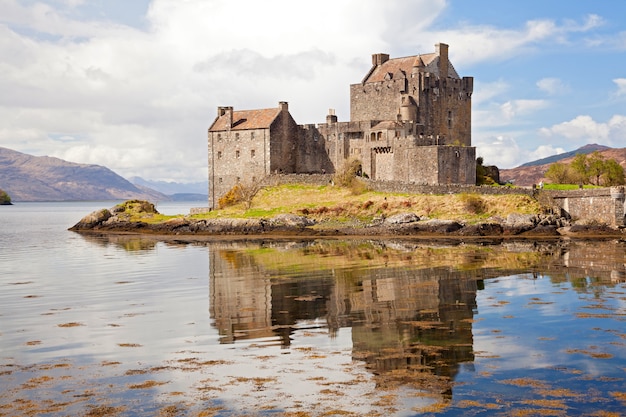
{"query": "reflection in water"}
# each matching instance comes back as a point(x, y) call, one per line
point(410, 306)
point(355, 327)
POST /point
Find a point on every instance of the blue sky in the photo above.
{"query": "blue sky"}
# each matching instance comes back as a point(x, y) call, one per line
point(134, 85)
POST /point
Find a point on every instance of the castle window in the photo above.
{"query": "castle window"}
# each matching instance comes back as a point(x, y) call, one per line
point(219, 154)
point(236, 154)
point(251, 135)
point(238, 179)
point(219, 180)
point(380, 136)
point(373, 137)
point(219, 137)
point(237, 136)
point(449, 119)
point(252, 153)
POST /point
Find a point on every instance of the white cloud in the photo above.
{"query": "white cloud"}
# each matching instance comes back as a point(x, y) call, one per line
point(552, 86)
point(505, 152)
point(621, 86)
point(584, 129)
point(139, 101)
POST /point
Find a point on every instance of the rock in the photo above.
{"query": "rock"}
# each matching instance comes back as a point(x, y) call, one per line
point(402, 218)
point(521, 220)
point(481, 229)
point(291, 220)
point(441, 226)
point(93, 220)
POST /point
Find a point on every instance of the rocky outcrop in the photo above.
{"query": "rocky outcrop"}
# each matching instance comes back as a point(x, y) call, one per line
point(138, 217)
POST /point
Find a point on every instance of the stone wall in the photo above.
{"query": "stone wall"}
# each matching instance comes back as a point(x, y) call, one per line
point(396, 186)
point(601, 205)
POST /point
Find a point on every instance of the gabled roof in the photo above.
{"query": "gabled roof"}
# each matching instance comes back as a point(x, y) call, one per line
point(395, 65)
point(246, 119)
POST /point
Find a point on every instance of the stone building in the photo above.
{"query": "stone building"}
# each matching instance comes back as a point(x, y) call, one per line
point(410, 121)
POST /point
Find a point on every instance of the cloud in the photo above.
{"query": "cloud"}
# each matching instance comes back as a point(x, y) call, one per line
point(584, 129)
point(552, 86)
point(621, 86)
point(79, 85)
point(505, 152)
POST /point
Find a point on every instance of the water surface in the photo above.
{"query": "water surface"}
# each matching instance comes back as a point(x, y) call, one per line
point(93, 325)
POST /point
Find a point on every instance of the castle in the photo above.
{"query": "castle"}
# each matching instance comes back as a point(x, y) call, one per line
point(410, 121)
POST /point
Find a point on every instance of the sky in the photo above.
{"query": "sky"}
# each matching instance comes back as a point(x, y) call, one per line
point(134, 84)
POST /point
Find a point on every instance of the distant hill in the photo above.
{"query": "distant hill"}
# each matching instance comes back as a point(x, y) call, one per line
point(533, 172)
point(42, 178)
point(195, 191)
point(587, 149)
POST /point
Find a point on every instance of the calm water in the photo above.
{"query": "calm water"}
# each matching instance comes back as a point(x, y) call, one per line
point(131, 326)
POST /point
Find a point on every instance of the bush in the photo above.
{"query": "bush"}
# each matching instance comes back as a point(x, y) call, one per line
point(472, 203)
point(349, 175)
point(232, 197)
point(4, 197)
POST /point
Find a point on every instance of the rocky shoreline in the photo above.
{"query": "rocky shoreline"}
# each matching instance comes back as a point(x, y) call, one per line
point(118, 220)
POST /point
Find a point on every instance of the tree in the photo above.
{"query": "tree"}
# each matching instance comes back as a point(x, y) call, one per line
point(579, 165)
point(592, 169)
point(559, 173)
point(613, 173)
point(595, 167)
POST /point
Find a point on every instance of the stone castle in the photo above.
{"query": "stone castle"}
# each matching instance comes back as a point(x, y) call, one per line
point(410, 121)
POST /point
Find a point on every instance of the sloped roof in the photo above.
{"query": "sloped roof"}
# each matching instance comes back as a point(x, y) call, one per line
point(394, 65)
point(406, 64)
point(246, 119)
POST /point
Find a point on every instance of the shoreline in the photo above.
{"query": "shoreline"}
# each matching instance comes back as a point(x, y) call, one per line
point(117, 221)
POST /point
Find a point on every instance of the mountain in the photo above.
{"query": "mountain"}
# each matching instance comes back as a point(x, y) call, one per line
point(194, 191)
point(42, 178)
point(587, 149)
point(533, 172)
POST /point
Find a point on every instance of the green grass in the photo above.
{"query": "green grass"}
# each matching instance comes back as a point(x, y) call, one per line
point(561, 187)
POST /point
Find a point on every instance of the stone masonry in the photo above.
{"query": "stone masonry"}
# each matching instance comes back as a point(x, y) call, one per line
point(410, 122)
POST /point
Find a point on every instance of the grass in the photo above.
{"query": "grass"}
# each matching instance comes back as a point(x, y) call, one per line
point(333, 203)
point(561, 187)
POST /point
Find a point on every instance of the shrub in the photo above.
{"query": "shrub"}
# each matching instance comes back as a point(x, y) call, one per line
point(233, 196)
point(472, 203)
point(4, 197)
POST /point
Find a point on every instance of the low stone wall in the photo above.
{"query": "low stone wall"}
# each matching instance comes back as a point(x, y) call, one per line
point(395, 186)
point(601, 205)
point(400, 187)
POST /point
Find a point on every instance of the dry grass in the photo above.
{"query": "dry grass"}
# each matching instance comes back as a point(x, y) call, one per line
point(340, 203)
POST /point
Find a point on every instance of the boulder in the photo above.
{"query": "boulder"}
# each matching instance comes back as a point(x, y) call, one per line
point(291, 220)
point(93, 220)
point(402, 218)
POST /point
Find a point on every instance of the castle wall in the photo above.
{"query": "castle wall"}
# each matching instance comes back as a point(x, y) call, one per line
point(236, 157)
point(284, 135)
point(313, 152)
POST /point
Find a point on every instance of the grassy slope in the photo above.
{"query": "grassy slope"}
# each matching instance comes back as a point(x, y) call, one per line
point(338, 204)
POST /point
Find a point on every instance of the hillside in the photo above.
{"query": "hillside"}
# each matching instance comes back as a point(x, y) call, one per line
point(41, 178)
point(533, 172)
point(195, 191)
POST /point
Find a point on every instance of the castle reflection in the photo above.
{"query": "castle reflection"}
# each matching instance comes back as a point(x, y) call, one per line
point(409, 307)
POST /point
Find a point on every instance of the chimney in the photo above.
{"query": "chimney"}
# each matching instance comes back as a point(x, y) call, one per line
point(379, 59)
point(331, 117)
point(283, 106)
point(228, 112)
point(442, 51)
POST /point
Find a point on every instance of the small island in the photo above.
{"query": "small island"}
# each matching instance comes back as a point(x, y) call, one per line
point(300, 210)
point(5, 199)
